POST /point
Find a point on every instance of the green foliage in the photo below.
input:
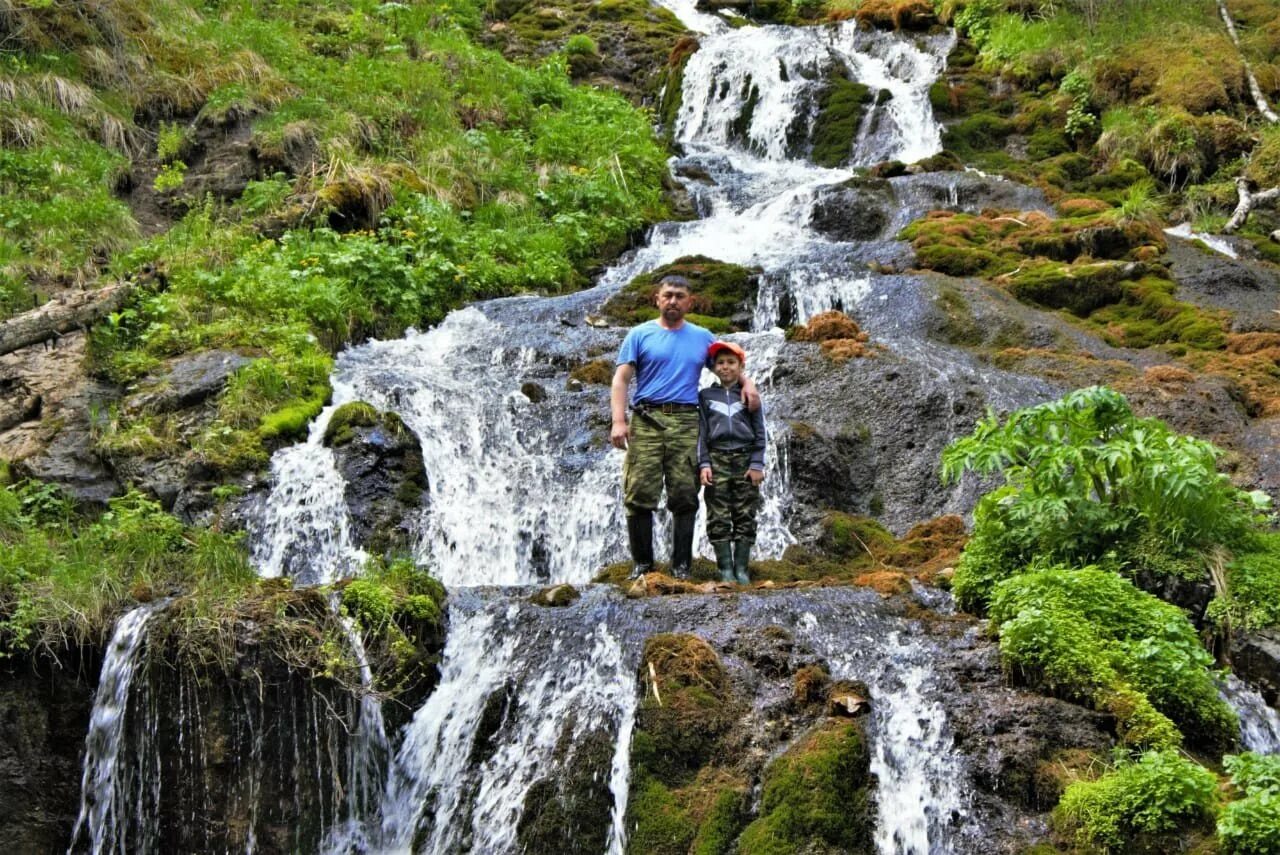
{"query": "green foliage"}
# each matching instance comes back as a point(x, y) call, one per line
point(1091, 635)
point(1250, 825)
point(1139, 803)
point(65, 578)
point(1253, 586)
point(581, 45)
point(1083, 475)
point(835, 127)
point(170, 176)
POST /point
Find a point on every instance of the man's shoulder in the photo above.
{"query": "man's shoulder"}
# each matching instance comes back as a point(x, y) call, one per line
point(699, 331)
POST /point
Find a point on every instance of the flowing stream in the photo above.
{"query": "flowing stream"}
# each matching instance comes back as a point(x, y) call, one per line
point(523, 490)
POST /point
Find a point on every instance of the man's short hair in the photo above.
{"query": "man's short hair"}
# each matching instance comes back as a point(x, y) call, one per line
point(675, 281)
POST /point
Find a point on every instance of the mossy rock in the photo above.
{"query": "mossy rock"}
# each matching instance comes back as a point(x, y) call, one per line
point(677, 735)
point(556, 596)
point(976, 133)
point(1080, 288)
point(848, 536)
point(598, 372)
point(817, 797)
point(840, 109)
point(723, 294)
point(568, 813)
point(357, 414)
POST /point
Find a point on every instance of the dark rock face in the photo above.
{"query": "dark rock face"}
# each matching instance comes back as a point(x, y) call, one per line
point(1250, 290)
point(69, 460)
point(855, 210)
point(381, 462)
point(1256, 657)
point(190, 380)
point(44, 715)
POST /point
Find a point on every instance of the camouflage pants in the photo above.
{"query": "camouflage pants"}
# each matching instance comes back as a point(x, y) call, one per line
point(732, 500)
point(655, 456)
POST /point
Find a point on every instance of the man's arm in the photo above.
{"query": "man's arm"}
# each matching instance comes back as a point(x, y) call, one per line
point(620, 434)
point(750, 394)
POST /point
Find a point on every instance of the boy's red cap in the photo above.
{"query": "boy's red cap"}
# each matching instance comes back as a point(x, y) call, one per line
point(719, 346)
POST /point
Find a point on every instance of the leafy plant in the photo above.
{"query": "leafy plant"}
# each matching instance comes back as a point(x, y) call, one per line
point(1162, 793)
point(170, 176)
point(1250, 825)
point(1082, 475)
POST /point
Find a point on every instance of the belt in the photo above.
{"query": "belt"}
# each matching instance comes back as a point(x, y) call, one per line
point(646, 406)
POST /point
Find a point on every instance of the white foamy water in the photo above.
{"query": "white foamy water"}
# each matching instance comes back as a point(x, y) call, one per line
point(106, 795)
point(552, 690)
point(1259, 723)
point(1214, 242)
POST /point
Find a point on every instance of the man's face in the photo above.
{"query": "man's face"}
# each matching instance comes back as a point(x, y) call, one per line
point(673, 302)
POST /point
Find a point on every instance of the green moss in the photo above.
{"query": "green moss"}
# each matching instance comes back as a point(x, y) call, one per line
point(722, 824)
point(721, 292)
point(1150, 315)
point(956, 260)
point(840, 109)
point(976, 133)
point(1080, 289)
point(1092, 635)
point(355, 414)
point(815, 797)
point(657, 823)
point(847, 536)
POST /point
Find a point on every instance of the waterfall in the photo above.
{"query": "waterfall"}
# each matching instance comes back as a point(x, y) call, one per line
point(1259, 723)
point(525, 491)
point(518, 698)
point(107, 794)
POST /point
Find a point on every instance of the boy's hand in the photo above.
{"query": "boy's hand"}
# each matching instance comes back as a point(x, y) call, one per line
point(706, 477)
point(755, 476)
point(619, 435)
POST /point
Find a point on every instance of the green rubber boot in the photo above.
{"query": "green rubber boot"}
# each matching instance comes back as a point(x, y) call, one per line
point(741, 556)
point(724, 560)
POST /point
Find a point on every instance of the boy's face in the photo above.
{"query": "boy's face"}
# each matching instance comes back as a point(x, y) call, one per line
point(727, 368)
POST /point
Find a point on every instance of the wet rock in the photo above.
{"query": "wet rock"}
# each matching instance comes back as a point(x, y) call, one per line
point(386, 484)
point(190, 380)
point(1249, 290)
point(853, 211)
point(1255, 657)
point(533, 391)
point(69, 460)
point(569, 812)
point(44, 715)
point(723, 293)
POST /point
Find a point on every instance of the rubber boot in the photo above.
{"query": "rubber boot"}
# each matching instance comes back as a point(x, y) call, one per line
point(640, 533)
point(724, 560)
point(682, 544)
point(741, 556)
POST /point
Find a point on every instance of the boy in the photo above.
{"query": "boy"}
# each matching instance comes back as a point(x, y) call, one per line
point(731, 444)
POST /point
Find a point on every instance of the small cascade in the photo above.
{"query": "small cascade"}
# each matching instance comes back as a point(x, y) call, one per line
point(107, 790)
point(1214, 242)
point(304, 531)
point(522, 699)
point(1259, 723)
point(920, 790)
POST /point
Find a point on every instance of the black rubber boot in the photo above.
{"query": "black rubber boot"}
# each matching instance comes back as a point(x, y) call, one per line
point(741, 555)
point(724, 560)
point(640, 533)
point(682, 544)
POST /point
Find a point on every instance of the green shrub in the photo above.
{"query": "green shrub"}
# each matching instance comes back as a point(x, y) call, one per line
point(1084, 475)
point(1143, 802)
point(1253, 585)
point(580, 45)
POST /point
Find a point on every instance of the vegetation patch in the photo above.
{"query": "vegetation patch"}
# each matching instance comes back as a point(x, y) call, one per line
point(1250, 825)
point(722, 293)
point(840, 110)
point(838, 336)
point(1148, 805)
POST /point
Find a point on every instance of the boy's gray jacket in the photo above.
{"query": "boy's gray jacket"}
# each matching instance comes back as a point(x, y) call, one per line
point(726, 424)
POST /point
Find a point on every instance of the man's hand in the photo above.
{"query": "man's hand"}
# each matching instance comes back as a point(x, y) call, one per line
point(750, 394)
point(620, 435)
point(707, 478)
point(755, 476)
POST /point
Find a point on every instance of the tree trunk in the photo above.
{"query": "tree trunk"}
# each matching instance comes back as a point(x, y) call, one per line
point(1254, 89)
point(62, 315)
point(1248, 201)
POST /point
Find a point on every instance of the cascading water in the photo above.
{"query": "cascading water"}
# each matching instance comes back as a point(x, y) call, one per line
point(1259, 723)
point(107, 789)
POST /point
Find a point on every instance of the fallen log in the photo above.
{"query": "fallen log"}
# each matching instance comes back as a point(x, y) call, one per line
point(64, 314)
point(1248, 200)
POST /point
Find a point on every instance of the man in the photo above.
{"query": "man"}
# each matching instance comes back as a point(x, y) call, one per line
point(665, 357)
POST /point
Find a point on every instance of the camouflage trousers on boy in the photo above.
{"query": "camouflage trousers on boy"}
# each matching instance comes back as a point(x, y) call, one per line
point(656, 454)
point(732, 500)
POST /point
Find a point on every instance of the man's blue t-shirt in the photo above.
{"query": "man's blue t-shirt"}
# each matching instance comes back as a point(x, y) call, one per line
point(668, 362)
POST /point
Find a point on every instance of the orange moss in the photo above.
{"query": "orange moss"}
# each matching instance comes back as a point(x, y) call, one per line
point(840, 349)
point(1081, 206)
point(810, 685)
point(1244, 344)
point(885, 582)
point(1167, 375)
point(825, 326)
point(897, 14)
